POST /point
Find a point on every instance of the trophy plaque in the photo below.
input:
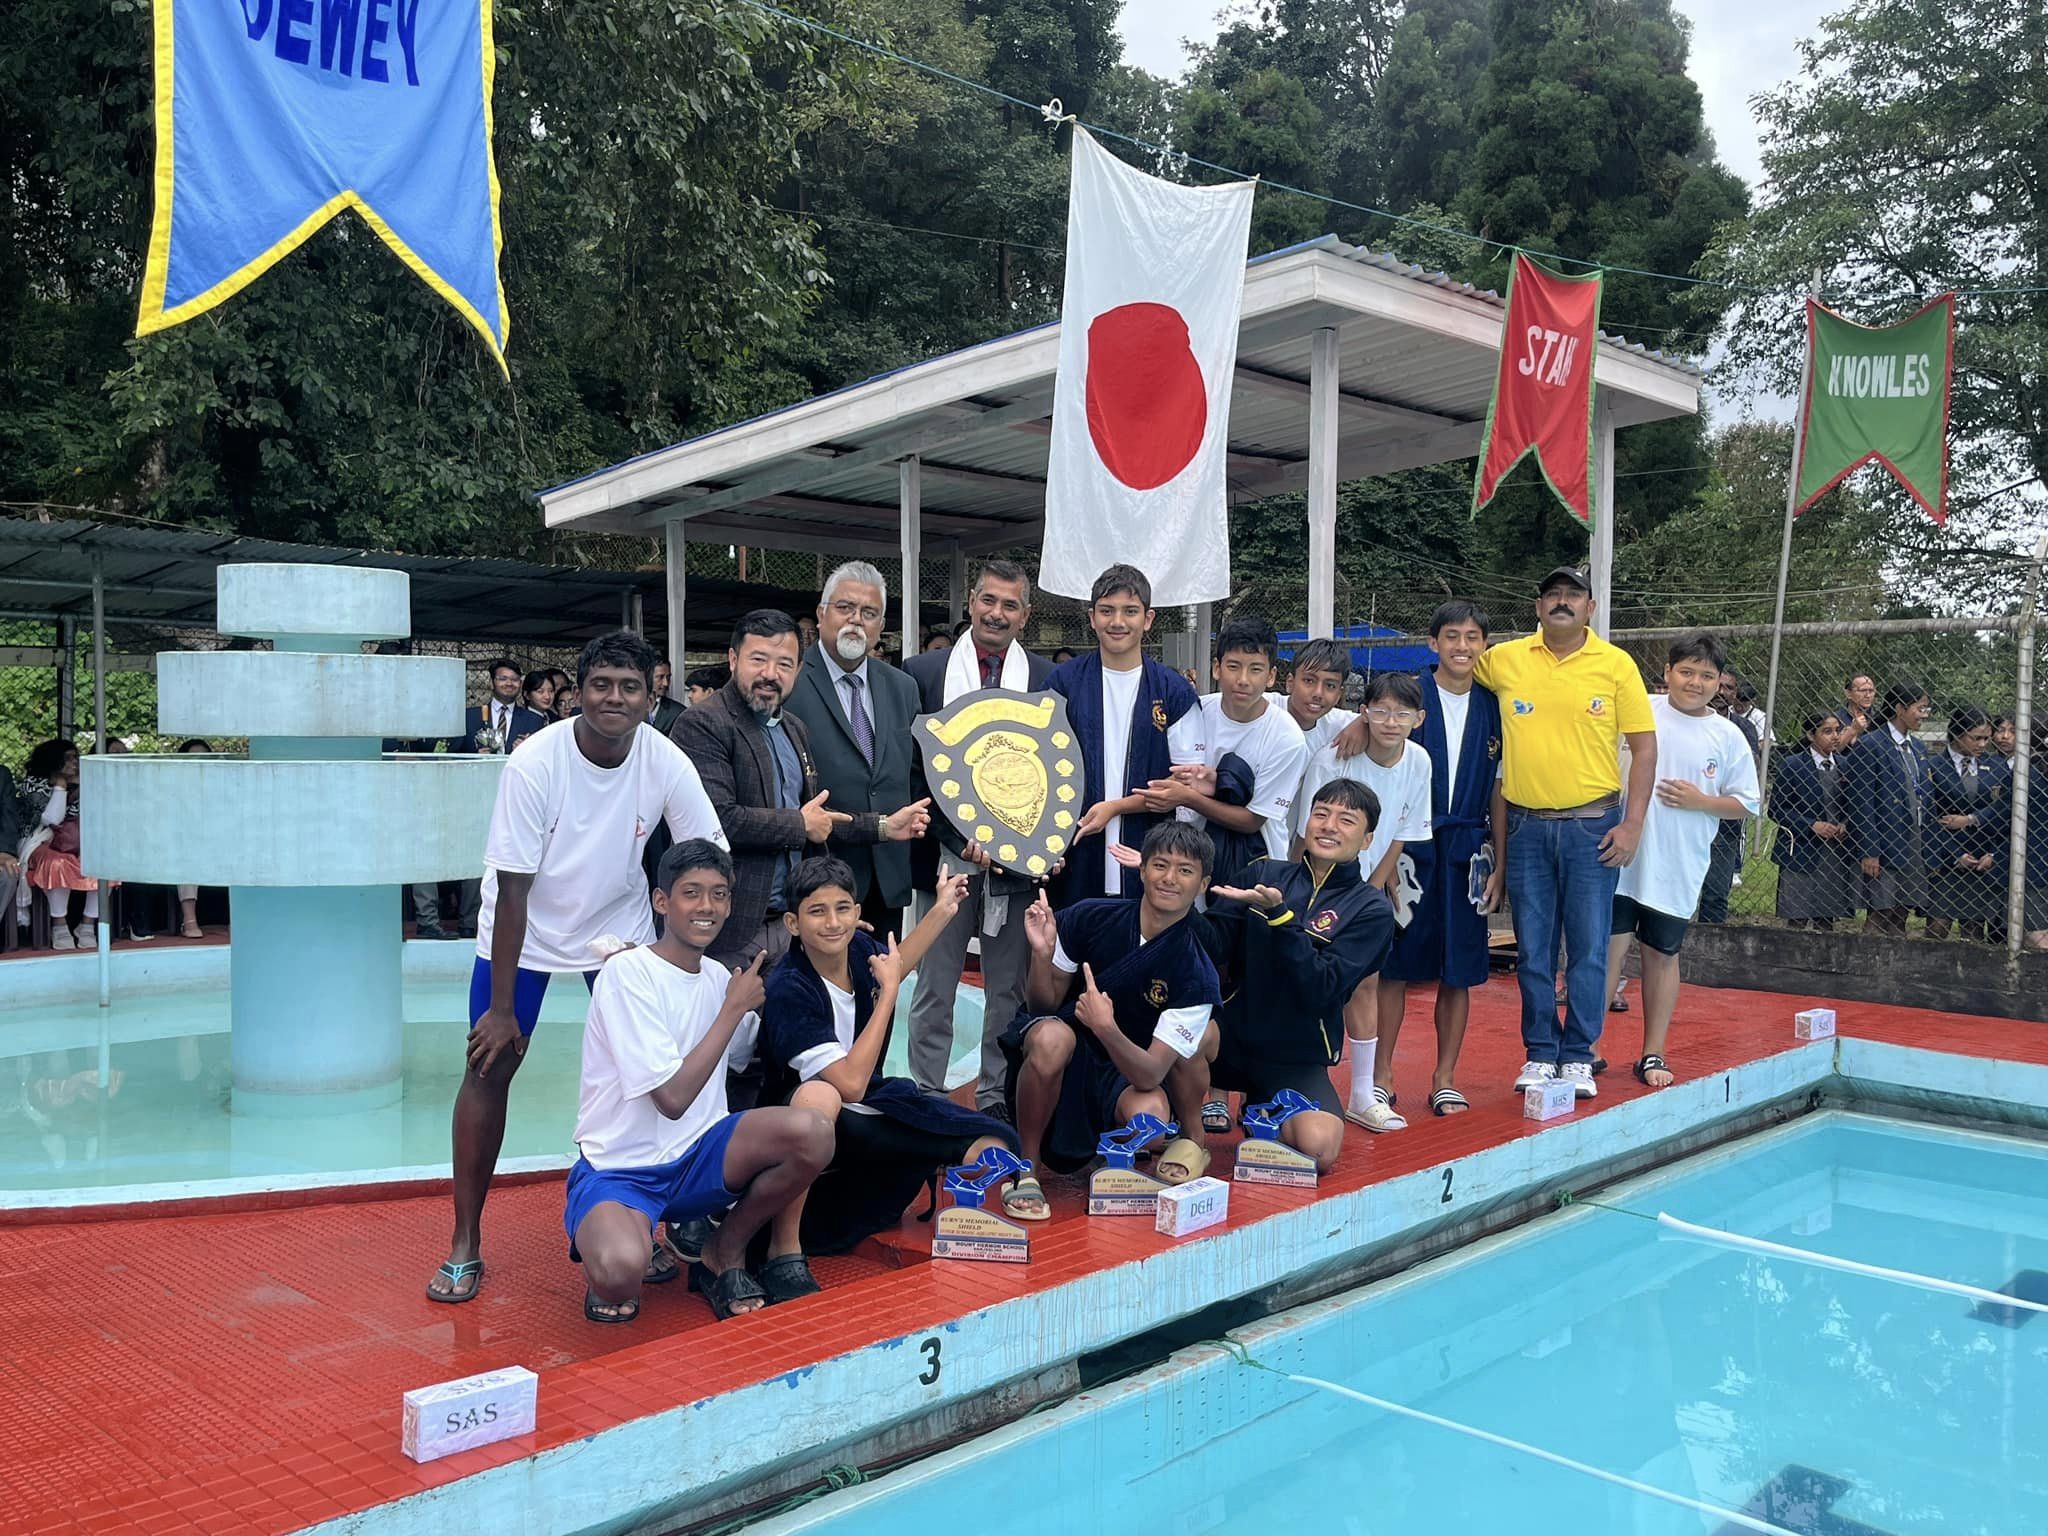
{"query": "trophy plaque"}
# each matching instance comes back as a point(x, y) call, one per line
point(1117, 1188)
point(1005, 770)
point(1263, 1158)
point(965, 1229)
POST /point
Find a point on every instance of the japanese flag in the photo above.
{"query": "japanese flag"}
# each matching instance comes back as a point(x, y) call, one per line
point(1141, 409)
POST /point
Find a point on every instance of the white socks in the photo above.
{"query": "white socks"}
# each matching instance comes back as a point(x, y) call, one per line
point(1363, 1053)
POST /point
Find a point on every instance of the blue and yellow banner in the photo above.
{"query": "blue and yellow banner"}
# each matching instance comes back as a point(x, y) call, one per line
point(274, 115)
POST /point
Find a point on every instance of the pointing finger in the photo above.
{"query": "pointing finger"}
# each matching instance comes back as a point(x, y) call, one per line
point(1088, 975)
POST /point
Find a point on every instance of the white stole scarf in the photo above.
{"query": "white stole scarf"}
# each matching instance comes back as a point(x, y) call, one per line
point(963, 676)
point(963, 669)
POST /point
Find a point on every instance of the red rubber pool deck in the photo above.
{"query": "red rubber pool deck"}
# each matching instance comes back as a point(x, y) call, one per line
point(240, 1369)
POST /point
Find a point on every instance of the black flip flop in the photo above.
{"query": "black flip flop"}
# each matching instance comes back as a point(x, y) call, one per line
point(722, 1291)
point(787, 1278)
point(609, 1320)
point(658, 1272)
point(455, 1274)
point(1653, 1063)
point(1216, 1117)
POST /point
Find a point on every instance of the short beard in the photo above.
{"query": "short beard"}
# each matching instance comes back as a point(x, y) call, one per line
point(765, 711)
point(858, 648)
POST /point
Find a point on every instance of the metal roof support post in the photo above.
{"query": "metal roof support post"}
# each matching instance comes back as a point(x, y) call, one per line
point(1603, 513)
point(1323, 431)
point(909, 494)
point(956, 586)
point(1205, 635)
point(2023, 765)
point(99, 655)
point(67, 701)
point(674, 545)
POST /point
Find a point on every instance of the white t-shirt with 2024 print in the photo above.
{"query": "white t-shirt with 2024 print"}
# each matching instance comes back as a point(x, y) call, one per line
point(1402, 787)
point(1273, 747)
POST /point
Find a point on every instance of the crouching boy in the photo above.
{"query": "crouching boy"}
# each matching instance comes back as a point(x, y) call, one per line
point(656, 1141)
point(1087, 1063)
point(824, 1033)
point(1293, 941)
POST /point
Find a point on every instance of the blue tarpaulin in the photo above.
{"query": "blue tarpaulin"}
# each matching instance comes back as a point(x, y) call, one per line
point(1368, 658)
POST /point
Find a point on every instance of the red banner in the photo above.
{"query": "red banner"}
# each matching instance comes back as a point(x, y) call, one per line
point(1543, 394)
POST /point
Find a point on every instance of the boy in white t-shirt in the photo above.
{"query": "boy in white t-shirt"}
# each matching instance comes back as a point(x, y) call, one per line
point(576, 804)
point(656, 1142)
point(1315, 691)
point(1243, 790)
point(1705, 775)
point(1397, 771)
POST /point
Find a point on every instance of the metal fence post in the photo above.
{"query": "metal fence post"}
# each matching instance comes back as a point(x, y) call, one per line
point(2023, 757)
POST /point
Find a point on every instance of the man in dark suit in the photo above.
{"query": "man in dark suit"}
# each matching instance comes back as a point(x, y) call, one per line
point(858, 712)
point(754, 758)
point(666, 711)
point(989, 655)
point(1883, 776)
point(498, 724)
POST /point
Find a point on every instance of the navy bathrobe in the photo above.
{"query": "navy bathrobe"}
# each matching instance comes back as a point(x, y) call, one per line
point(1445, 939)
point(1163, 697)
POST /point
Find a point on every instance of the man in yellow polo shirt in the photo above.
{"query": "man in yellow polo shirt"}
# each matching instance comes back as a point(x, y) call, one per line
point(1567, 701)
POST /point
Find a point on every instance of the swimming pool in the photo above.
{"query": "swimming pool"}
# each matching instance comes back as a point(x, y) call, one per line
point(1826, 1403)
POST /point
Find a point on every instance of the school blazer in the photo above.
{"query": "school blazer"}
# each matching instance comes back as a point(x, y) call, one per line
point(1881, 796)
point(1992, 807)
point(1798, 800)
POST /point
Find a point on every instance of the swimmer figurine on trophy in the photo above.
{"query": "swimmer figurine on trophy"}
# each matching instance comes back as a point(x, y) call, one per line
point(1263, 1158)
point(1004, 769)
point(1117, 1188)
point(966, 1229)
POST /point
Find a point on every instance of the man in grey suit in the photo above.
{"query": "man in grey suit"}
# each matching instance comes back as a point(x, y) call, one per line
point(858, 710)
point(989, 655)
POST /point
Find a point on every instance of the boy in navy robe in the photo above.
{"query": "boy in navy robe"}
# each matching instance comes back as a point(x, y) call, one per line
point(1082, 1063)
point(824, 1032)
point(1445, 940)
point(1293, 939)
point(1135, 719)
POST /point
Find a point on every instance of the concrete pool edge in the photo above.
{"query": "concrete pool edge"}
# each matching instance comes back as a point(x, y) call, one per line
point(628, 1478)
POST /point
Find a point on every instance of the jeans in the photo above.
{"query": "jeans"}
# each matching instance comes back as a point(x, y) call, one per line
point(1559, 888)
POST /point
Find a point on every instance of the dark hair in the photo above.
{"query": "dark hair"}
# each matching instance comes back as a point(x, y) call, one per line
point(1401, 687)
point(1898, 694)
point(692, 853)
point(1121, 578)
point(1352, 795)
point(1323, 656)
point(535, 678)
point(501, 663)
point(1003, 570)
point(764, 622)
point(1745, 693)
point(1998, 720)
point(620, 648)
point(47, 758)
point(1808, 724)
point(962, 627)
point(713, 678)
point(194, 741)
point(1183, 838)
point(814, 875)
point(1247, 635)
point(559, 676)
point(1064, 653)
point(1965, 718)
point(1459, 610)
point(1698, 647)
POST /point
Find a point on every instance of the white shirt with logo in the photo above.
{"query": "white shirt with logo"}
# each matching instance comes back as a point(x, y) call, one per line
point(646, 1015)
point(579, 830)
point(1671, 860)
point(1273, 747)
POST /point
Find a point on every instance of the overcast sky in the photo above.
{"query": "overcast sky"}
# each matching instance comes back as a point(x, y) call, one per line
point(1739, 47)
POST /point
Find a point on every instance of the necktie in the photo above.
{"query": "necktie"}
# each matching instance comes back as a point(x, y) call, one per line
point(991, 670)
point(1970, 770)
point(503, 724)
point(857, 717)
point(1912, 766)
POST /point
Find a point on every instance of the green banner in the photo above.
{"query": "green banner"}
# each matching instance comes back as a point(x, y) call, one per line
point(1877, 392)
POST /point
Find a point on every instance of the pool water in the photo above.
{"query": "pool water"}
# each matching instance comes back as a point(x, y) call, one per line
point(163, 1122)
point(1830, 1404)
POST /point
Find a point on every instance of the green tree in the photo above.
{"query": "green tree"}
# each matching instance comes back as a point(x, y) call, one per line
point(338, 398)
point(1909, 157)
point(1422, 111)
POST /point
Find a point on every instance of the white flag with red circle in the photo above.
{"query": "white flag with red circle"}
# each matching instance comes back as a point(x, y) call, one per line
point(1141, 408)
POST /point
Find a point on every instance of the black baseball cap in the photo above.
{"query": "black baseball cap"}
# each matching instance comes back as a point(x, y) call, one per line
point(1566, 575)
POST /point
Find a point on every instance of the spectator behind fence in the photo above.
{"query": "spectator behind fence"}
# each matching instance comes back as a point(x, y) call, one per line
point(1817, 880)
point(537, 692)
point(2036, 915)
point(1884, 773)
point(1859, 698)
point(2005, 740)
point(1724, 869)
point(188, 895)
point(501, 722)
point(664, 711)
point(700, 683)
point(565, 696)
point(1968, 815)
point(50, 813)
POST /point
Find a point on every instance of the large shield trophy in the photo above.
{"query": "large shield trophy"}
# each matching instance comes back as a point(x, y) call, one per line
point(1004, 769)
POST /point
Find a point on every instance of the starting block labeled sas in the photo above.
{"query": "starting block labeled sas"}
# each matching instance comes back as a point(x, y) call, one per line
point(1117, 1188)
point(1262, 1157)
point(967, 1231)
point(1813, 1024)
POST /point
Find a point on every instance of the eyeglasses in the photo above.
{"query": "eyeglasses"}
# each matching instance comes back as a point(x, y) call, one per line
point(1384, 716)
point(846, 610)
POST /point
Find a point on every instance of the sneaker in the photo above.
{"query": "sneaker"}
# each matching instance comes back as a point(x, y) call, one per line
point(61, 937)
point(1376, 1116)
point(1580, 1075)
point(1534, 1073)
